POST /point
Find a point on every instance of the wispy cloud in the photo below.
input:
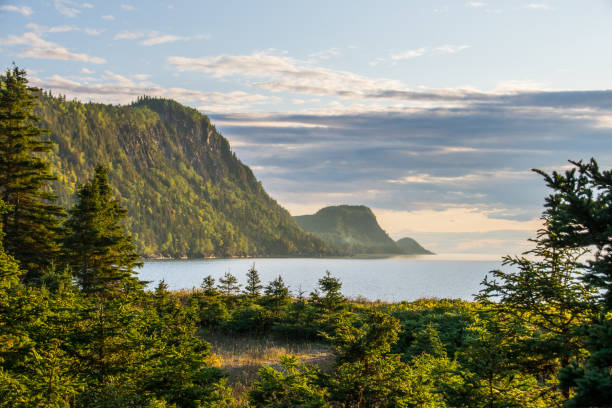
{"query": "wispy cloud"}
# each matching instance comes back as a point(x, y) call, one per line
point(40, 29)
point(112, 87)
point(127, 7)
point(155, 38)
point(282, 73)
point(70, 8)
point(475, 4)
point(43, 49)
point(108, 17)
point(451, 49)
point(409, 54)
point(93, 31)
point(25, 10)
point(169, 38)
point(129, 35)
point(537, 6)
point(419, 52)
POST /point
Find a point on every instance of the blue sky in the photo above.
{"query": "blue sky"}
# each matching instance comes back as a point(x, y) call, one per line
point(430, 112)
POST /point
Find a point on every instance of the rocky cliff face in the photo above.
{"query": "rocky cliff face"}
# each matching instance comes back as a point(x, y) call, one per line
point(186, 192)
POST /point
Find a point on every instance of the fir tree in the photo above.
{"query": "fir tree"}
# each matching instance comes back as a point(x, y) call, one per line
point(253, 286)
point(96, 248)
point(31, 226)
point(208, 286)
point(228, 284)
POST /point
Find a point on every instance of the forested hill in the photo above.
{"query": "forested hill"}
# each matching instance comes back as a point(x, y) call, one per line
point(351, 228)
point(186, 192)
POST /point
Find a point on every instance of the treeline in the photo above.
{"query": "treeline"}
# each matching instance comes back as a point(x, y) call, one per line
point(186, 193)
point(77, 328)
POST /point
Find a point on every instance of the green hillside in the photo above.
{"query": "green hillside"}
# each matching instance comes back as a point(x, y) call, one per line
point(186, 192)
point(411, 247)
point(354, 229)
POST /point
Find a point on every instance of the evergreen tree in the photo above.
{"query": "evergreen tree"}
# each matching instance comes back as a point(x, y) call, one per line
point(276, 296)
point(329, 299)
point(545, 297)
point(96, 248)
point(228, 284)
point(208, 285)
point(253, 286)
point(31, 226)
point(580, 215)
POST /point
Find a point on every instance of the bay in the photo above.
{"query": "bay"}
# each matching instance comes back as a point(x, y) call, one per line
point(391, 279)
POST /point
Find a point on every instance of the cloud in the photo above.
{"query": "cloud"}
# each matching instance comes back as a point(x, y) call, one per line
point(86, 71)
point(478, 177)
point(163, 39)
point(419, 52)
point(282, 73)
point(127, 7)
point(451, 49)
point(70, 8)
point(475, 4)
point(325, 54)
point(116, 88)
point(43, 49)
point(25, 10)
point(155, 38)
point(408, 54)
point(108, 17)
point(129, 35)
point(93, 31)
point(39, 29)
point(451, 220)
point(60, 53)
point(537, 6)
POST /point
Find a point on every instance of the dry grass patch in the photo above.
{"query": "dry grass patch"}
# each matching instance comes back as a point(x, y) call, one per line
point(242, 355)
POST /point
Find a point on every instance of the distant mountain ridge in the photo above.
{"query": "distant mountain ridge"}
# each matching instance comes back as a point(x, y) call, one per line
point(354, 230)
point(186, 193)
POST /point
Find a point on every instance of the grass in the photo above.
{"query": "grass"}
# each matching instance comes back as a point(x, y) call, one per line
point(242, 356)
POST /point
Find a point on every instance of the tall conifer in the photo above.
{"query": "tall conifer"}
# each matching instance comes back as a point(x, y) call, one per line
point(96, 248)
point(31, 226)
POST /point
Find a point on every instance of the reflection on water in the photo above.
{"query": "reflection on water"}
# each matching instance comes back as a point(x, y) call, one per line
point(389, 279)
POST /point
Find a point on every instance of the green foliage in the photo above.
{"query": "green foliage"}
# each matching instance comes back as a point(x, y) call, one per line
point(253, 286)
point(96, 248)
point(293, 386)
point(353, 229)
point(228, 284)
point(186, 193)
point(208, 286)
point(411, 247)
point(580, 217)
point(32, 223)
point(328, 298)
point(547, 300)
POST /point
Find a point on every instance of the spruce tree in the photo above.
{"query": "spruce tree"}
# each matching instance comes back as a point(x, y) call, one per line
point(253, 286)
point(96, 248)
point(228, 284)
point(31, 226)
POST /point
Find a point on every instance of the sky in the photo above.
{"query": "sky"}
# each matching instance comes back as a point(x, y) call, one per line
point(432, 113)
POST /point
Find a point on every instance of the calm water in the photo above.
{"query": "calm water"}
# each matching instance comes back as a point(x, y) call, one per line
point(389, 279)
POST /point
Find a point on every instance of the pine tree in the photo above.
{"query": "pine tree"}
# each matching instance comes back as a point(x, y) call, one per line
point(331, 299)
point(277, 296)
point(253, 286)
point(208, 286)
point(580, 217)
point(96, 248)
point(228, 284)
point(31, 226)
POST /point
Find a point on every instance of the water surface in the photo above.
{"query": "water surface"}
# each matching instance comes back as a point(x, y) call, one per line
point(388, 279)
